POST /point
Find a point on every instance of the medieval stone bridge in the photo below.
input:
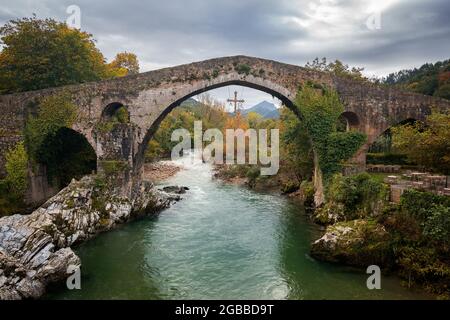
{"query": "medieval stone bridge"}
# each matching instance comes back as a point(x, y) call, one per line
point(150, 96)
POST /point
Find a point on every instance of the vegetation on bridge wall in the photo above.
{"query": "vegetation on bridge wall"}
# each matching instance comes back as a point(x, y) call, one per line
point(55, 112)
point(14, 186)
point(49, 141)
point(118, 116)
point(320, 109)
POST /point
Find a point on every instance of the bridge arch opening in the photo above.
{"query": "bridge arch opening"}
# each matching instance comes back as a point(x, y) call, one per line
point(382, 151)
point(65, 155)
point(347, 121)
point(115, 112)
point(273, 90)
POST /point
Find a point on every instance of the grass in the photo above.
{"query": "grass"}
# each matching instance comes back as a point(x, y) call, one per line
point(379, 176)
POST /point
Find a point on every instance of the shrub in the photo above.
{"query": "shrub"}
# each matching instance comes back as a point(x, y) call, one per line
point(387, 158)
point(17, 169)
point(424, 265)
point(437, 225)
point(14, 186)
point(252, 174)
point(307, 190)
point(418, 203)
point(243, 68)
point(122, 115)
point(361, 195)
point(290, 186)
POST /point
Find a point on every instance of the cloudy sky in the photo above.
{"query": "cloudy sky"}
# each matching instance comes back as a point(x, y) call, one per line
point(381, 35)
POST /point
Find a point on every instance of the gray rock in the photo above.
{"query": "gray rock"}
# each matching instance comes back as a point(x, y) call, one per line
point(175, 189)
point(35, 249)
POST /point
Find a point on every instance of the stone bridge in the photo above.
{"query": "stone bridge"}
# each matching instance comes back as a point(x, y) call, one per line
point(150, 96)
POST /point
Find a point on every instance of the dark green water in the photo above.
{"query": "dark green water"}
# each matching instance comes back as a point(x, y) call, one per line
point(219, 242)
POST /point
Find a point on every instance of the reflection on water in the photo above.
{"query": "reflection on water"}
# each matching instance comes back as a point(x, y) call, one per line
point(219, 242)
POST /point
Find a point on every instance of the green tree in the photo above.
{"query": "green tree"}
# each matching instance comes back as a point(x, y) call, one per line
point(50, 141)
point(337, 68)
point(430, 79)
point(295, 148)
point(427, 145)
point(55, 112)
point(39, 54)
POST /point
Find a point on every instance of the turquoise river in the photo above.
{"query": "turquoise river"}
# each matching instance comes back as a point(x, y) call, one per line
point(219, 242)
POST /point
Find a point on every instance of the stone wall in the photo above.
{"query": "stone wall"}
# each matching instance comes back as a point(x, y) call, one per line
point(12, 119)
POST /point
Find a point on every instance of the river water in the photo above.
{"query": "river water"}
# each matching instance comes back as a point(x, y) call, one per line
point(220, 242)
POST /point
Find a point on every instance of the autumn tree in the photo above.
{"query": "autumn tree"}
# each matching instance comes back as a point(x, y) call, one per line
point(46, 53)
point(254, 119)
point(124, 63)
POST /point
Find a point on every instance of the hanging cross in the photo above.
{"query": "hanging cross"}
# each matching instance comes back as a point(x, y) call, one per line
point(235, 101)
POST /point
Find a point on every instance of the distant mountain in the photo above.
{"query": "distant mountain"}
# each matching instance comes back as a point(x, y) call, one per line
point(265, 109)
point(190, 102)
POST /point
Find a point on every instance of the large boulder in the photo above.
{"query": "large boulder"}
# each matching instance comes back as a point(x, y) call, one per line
point(358, 243)
point(35, 249)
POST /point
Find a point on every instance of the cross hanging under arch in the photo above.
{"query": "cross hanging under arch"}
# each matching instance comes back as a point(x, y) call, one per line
point(235, 101)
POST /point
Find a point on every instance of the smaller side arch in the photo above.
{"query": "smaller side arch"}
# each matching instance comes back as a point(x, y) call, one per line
point(112, 110)
point(350, 119)
point(383, 141)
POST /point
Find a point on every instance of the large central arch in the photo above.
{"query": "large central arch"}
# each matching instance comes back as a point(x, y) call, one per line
point(153, 127)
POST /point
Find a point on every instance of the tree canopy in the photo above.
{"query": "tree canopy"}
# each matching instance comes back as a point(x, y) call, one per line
point(427, 145)
point(337, 68)
point(46, 53)
point(123, 64)
point(431, 79)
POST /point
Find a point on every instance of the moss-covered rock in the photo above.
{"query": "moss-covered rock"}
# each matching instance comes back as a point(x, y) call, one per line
point(330, 214)
point(359, 243)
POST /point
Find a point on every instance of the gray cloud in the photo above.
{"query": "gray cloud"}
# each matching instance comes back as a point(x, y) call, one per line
point(171, 32)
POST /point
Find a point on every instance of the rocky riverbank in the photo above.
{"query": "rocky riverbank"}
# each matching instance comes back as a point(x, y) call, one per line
point(35, 249)
point(411, 239)
point(159, 171)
